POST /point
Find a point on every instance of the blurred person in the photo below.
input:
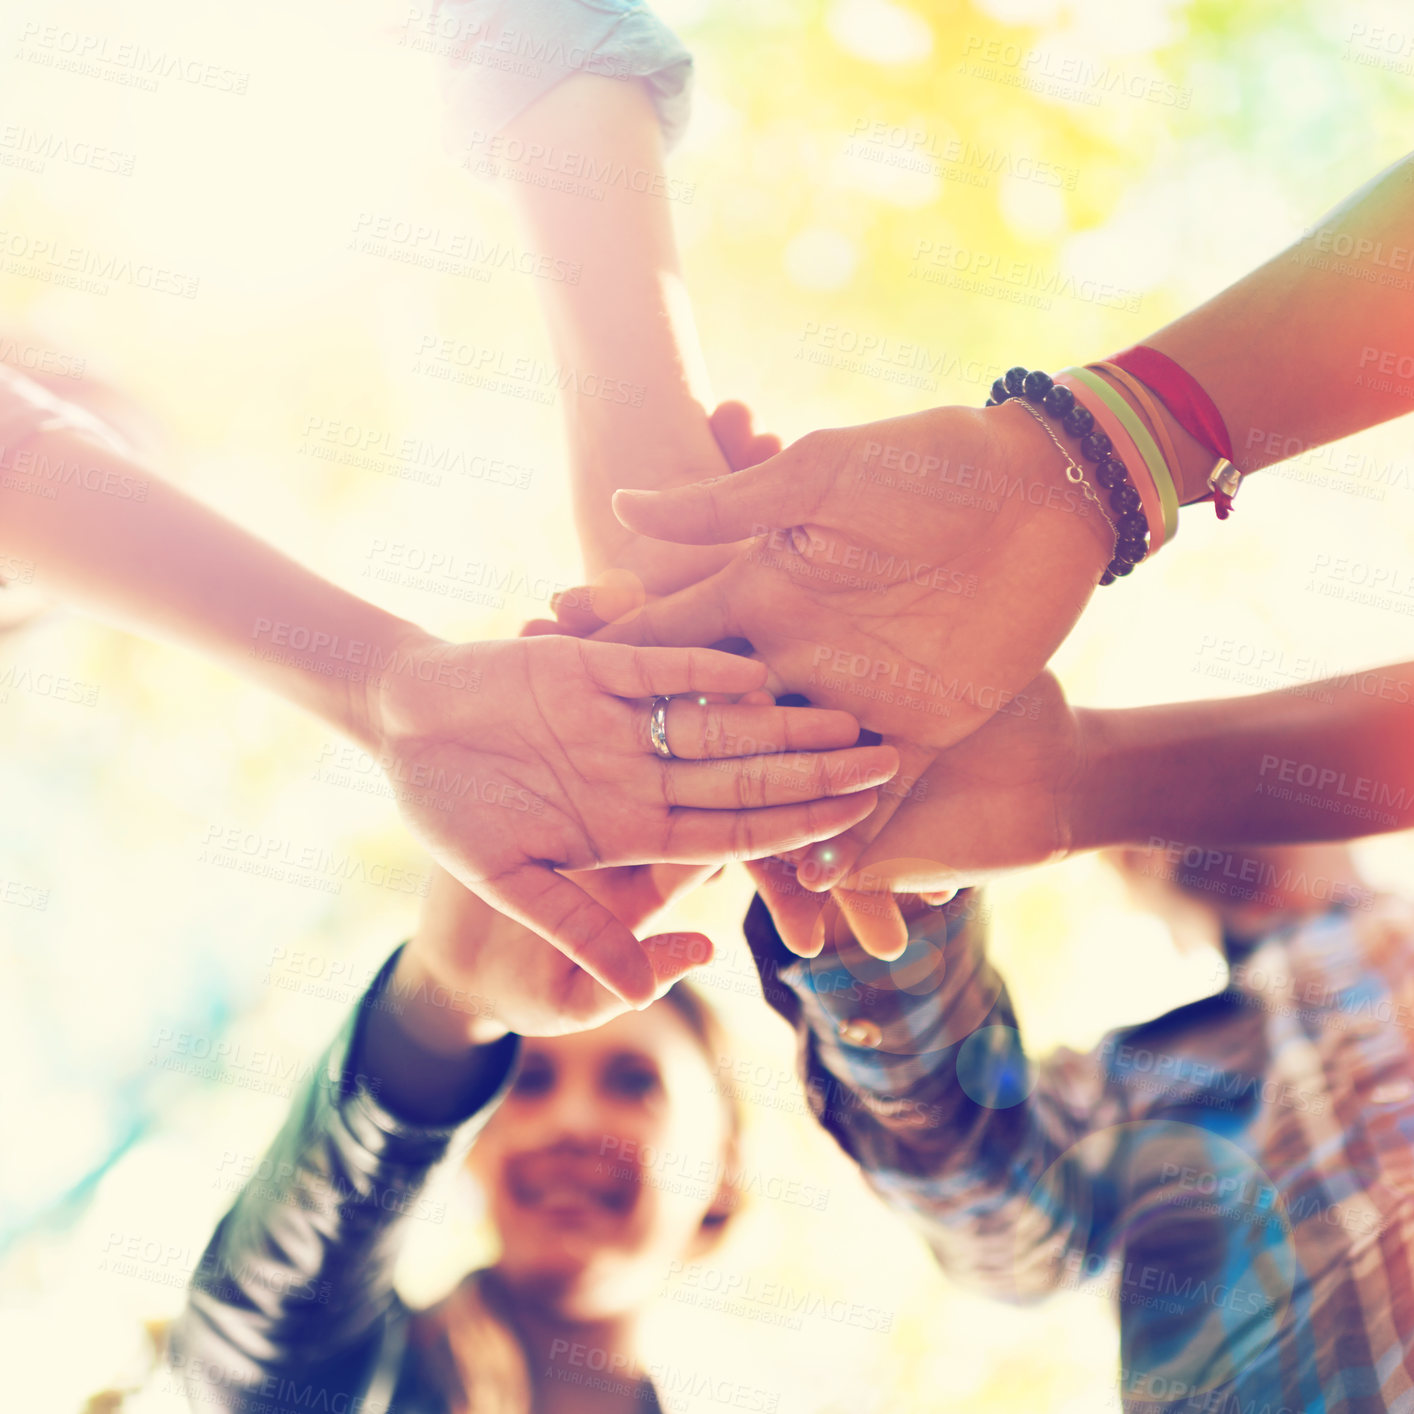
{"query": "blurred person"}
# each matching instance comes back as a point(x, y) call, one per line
point(1233, 1176)
point(509, 760)
point(477, 1030)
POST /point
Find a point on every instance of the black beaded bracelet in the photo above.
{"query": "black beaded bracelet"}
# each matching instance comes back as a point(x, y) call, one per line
point(1130, 526)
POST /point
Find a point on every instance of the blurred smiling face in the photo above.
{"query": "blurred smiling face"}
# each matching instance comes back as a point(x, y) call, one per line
point(603, 1162)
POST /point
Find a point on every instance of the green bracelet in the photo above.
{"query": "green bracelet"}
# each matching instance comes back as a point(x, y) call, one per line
point(1148, 448)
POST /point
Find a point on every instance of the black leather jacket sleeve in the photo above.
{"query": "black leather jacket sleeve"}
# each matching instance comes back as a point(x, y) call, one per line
point(292, 1299)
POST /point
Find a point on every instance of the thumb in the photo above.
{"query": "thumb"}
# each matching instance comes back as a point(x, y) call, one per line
point(670, 955)
point(775, 495)
point(561, 912)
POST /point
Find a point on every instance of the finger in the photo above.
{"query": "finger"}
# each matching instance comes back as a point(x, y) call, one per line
point(874, 919)
point(584, 930)
point(797, 913)
point(702, 836)
point(663, 672)
point(575, 612)
point(699, 731)
point(535, 628)
point(880, 867)
point(779, 493)
point(825, 865)
point(762, 448)
point(828, 864)
point(700, 613)
point(936, 898)
point(731, 426)
point(670, 955)
point(756, 782)
point(703, 699)
point(588, 607)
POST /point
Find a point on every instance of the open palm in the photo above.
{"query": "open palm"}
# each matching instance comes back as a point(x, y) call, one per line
point(518, 759)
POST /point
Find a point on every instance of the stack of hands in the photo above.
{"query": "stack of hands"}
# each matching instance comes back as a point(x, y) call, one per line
point(915, 576)
point(964, 776)
point(852, 593)
point(883, 722)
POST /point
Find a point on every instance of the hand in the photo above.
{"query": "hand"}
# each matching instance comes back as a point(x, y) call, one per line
point(518, 758)
point(921, 606)
point(1005, 798)
point(492, 975)
point(813, 924)
point(643, 568)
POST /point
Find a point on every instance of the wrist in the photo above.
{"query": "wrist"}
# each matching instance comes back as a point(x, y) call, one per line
point(404, 666)
point(1152, 772)
point(441, 1016)
point(420, 1085)
point(1195, 461)
point(1024, 452)
point(1099, 802)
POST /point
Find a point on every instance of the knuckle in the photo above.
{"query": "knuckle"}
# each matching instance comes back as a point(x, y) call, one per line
point(747, 790)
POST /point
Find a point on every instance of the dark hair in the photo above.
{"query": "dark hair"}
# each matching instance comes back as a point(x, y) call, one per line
point(710, 1035)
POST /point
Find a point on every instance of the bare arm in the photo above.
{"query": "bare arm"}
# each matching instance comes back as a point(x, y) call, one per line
point(1330, 760)
point(108, 536)
point(1292, 354)
point(627, 319)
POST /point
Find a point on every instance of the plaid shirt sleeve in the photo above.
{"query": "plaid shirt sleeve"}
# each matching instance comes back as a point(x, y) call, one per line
point(917, 1069)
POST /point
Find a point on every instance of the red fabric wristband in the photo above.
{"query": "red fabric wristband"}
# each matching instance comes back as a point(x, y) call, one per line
point(1183, 395)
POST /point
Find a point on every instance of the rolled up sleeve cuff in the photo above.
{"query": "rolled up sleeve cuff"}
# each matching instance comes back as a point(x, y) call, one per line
point(505, 54)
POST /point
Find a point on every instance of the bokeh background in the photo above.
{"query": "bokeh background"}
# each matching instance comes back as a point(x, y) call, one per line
point(159, 1002)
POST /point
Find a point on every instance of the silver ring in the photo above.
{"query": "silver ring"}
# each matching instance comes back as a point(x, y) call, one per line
point(658, 728)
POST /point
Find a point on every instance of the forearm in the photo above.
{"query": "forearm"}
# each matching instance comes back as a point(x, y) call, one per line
point(628, 305)
point(625, 325)
point(107, 537)
point(1330, 760)
point(1291, 353)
